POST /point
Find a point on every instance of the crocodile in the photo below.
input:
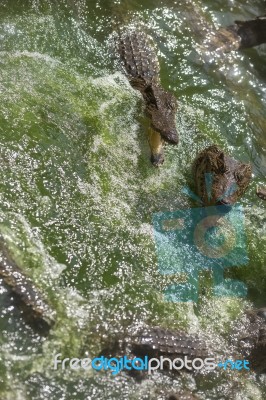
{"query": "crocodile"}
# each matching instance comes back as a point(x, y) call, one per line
point(156, 342)
point(229, 177)
point(34, 308)
point(240, 35)
point(142, 68)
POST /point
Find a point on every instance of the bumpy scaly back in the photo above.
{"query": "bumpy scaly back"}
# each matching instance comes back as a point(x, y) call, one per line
point(139, 58)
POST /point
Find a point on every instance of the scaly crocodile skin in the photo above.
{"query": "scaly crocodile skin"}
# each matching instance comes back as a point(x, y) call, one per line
point(156, 342)
point(230, 178)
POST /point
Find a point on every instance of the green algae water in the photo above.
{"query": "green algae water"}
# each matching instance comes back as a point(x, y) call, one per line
point(78, 191)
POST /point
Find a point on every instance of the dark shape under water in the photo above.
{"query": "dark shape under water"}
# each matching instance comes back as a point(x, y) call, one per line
point(35, 310)
point(155, 342)
point(253, 342)
point(240, 35)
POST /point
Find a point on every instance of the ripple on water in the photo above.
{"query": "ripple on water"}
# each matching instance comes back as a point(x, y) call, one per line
point(78, 191)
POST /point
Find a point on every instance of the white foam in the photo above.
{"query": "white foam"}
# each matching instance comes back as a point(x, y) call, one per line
point(32, 54)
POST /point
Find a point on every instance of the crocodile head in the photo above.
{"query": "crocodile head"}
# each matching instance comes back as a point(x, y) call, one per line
point(161, 108)
point(229, 177)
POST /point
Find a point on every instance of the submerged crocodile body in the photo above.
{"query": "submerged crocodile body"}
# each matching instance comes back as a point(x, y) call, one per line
point(142, 67)
point(156, 342)
point(34, 309)
point(240, 35)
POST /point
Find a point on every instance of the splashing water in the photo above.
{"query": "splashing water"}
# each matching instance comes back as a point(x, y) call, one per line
point(78, 191)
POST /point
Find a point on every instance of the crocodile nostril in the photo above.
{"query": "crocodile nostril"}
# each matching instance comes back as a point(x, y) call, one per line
point(157, 159)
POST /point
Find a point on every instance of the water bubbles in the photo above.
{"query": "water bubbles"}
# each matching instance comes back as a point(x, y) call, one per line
point(78, 190)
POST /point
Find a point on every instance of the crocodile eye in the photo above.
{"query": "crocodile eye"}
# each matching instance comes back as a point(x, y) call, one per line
point(244, 172)
point(238, 176)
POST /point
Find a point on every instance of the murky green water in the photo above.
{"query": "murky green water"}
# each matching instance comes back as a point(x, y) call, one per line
point(78, 191)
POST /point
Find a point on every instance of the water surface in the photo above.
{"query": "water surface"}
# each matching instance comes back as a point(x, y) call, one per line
point(78, 191)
